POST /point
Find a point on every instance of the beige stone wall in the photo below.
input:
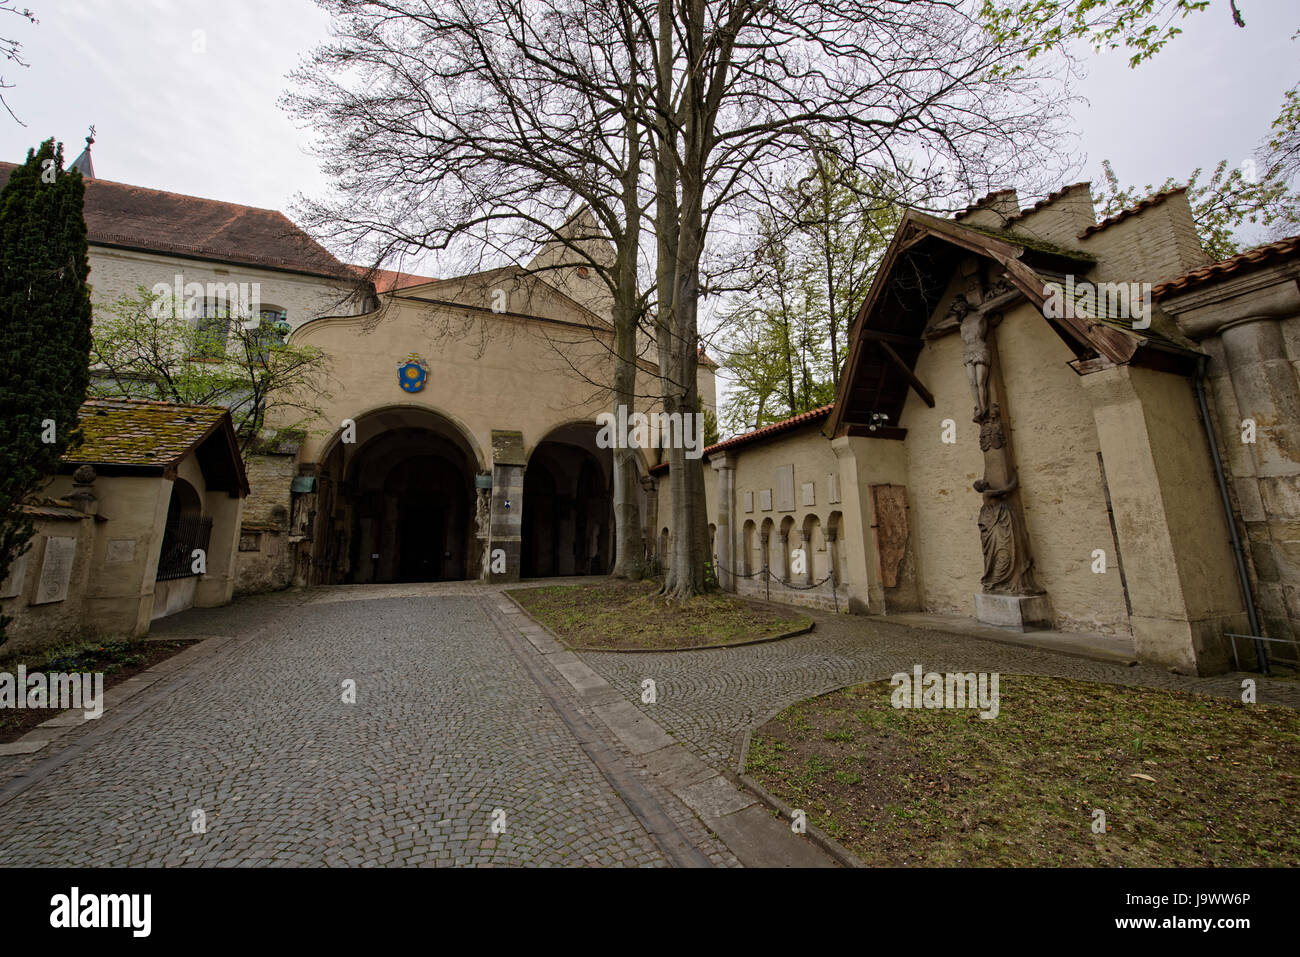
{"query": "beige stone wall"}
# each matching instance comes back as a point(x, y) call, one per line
point(114, 591)
point(488, 371)
point(1055, 443)
point(265, 560)
point(115, 273)
point(37, 626)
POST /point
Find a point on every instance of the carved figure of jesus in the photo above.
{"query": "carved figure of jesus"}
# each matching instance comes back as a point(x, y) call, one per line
point(974, 330)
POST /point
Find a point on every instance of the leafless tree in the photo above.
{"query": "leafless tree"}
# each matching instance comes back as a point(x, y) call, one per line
point(446, 121)
point(11, 50)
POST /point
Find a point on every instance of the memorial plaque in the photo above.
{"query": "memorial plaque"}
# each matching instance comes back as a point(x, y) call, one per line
point(120, 551)
point(765, 500)
point(833, 489)
point(890, 503)
point(785, 488)
point(56, 570)
point(749, 501)
point(809, 492)
point(12, 586)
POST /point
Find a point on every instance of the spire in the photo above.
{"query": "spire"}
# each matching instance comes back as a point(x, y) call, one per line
point(83, 164)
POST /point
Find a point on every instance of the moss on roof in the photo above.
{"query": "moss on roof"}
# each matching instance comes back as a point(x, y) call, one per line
point(1031, 243)
point(138, 432)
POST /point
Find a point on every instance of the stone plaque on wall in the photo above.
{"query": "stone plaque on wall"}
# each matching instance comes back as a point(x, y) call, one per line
point(120, 552)
point(749, 501)
point(889, 503)
point(56, 570)
point(765, 500)
point(833, 488)
point(809, 493)
point(785, 488)
point(12, 586)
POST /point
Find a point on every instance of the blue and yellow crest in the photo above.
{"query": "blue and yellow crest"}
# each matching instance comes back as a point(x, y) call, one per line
point(412, 373)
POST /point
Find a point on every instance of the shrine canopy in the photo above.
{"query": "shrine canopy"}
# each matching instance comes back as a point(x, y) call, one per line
point(889, 331)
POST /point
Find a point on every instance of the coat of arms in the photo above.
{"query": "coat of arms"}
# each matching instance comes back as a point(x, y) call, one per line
point(412, 373)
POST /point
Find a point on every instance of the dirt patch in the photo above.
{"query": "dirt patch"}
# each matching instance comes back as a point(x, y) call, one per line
point(630, 616)
point(1219, 782)
point(117, 660)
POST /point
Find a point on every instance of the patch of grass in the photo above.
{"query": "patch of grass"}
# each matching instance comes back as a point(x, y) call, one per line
point(631, 616)
point(947, 788)
point(117, 659)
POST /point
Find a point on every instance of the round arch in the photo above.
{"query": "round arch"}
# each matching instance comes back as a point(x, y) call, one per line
point(568, 506)
point(395, 500)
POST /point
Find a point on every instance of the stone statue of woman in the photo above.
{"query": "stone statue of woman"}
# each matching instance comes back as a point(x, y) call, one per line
point(1008, 567)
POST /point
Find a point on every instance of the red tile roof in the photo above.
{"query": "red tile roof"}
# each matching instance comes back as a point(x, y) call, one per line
point(1259, 256)
point(760, 435)
point(981, 203)
point(152, 220)
point(388, 280)
point(1133, 210)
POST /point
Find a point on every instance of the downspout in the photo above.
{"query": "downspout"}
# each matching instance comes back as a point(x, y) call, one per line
point(1242, 577)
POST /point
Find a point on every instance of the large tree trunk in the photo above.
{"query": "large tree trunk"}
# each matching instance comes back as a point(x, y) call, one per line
point(629, 547)
point(629, 542)
point(680, 228)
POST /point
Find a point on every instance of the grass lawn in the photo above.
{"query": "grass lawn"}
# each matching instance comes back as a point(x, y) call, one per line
point(118, 660)
point(630, 616)
point(947, 788)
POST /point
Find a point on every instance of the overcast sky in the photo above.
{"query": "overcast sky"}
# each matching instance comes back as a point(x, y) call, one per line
point(208, 123)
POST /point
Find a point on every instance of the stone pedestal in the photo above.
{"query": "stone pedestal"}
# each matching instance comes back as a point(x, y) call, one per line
point(1017, 612)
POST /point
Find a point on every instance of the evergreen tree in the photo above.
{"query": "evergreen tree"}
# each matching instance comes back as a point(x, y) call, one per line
point(44, 334)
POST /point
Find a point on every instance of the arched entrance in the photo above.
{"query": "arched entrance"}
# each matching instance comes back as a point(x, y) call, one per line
point(397, 505)
point(568, 520)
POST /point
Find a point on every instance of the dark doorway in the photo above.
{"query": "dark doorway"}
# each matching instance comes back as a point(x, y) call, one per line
point(568, 521)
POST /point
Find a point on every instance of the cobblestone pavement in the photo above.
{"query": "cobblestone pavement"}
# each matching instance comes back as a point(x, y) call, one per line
point(448, 726)
point(710, 700)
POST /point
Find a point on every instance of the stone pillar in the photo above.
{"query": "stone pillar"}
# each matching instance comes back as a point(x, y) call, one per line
point(650, 538)
point(725, 542)
point(217, 586)
point(1181, 577)
point(508, 463)
point(809, 566)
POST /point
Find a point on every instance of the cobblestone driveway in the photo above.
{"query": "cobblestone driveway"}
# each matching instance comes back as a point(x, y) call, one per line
point(447, 727)
point(709, 700)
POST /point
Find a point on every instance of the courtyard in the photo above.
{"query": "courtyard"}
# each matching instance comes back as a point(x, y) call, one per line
point(474, 739)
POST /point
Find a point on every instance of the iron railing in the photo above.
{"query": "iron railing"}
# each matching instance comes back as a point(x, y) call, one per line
point(179, 542)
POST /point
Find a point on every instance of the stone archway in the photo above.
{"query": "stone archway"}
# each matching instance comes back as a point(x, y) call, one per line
point(568, 514)
point(398, 504)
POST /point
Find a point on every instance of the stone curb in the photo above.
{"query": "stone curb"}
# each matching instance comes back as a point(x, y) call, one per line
point(819, 837)
point(736, 818)
point(662, 651)
point(65, 721)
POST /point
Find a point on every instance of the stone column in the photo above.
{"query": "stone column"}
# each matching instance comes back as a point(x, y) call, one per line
point(1181, 575)
point(726, 535)
point(508, 463)
point(217, 585)
point(650, 538)
point(805, 545)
